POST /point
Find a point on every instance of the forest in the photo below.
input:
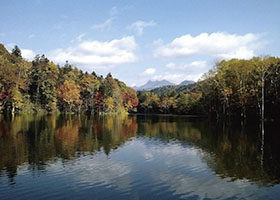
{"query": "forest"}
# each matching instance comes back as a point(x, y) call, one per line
point(42, 86)
point(233, 88)
point(242, 89)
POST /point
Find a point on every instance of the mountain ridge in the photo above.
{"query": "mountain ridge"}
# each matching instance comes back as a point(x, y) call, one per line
point(187, 82)
point(150, 85)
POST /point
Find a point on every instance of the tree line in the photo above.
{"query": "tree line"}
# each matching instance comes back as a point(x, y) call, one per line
point(42, 86)
point(236, 88)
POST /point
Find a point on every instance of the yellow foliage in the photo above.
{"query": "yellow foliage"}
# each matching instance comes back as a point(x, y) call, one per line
point(17, 98)
point(109, 103)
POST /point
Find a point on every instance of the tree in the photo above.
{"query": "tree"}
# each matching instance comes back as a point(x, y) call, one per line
point(167, 103)
point(41, 85)
point(37, 76)
point(69, 94)
point(130, 99)
point(13, 80)
point(109, 105)
point(149, 102)
point(49, 87)
point(44, 76)
point(89, 86)
point(16, 51)
point(262, 69)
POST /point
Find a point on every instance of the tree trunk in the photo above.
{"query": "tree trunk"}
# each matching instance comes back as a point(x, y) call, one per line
point(13, 109)
point(224, 110)
point(263, 97)
point(262, 145)
point(37, 93)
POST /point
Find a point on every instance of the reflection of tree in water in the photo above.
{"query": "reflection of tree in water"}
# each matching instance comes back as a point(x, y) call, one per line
point(232, 152)
point(66, 138)
point(238, 154)
point(167, 128)
point(38, 140)
point(13, 146)
point(114, 131)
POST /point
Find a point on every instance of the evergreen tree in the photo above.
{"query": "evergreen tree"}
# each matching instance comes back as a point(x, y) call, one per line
point(16, 51)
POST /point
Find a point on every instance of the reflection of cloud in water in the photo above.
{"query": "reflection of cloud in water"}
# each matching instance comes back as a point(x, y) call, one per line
point(202, 185)
point(185, 156)
point(99, 170)
point(182, 170)
point(148, 156)
point(152, 168)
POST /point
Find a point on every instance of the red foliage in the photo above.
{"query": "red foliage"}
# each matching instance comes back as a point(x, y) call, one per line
point(134, 102)
point(126, 96)
point(5, 93)
point(98, 98)
point(62, 90)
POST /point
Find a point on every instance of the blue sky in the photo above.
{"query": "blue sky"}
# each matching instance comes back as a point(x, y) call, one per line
point(141, 40)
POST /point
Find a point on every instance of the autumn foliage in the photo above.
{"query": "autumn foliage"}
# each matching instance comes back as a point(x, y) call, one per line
point(41, 85)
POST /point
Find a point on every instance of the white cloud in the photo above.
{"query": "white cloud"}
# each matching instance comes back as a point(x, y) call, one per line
point(193, 66)
point(132, 85)
point(10, 46)
point(149, 71)
point(177, 78)
point(219, 45)
point(25, 53)
point(95, 54)
point(106, 25)
point(139, 26)
point(28, 54)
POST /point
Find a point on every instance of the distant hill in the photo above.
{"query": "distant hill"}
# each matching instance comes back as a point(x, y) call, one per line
point(186, 82)
point(153, 84)
point(163, 85)
point(176, 88)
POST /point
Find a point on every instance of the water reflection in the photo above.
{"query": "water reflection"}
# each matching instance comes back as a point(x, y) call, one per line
point(127, 152)
point(38, 140)
point(234, 151)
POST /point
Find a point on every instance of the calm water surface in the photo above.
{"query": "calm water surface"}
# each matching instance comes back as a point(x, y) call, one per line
point(136, 157)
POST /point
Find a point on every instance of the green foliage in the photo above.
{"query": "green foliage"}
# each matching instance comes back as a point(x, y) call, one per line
point(42, 86)
point(169, 102)
point(176, 88)
point(44, 75)
point(233, 88)
point(13, 80)
point(242, 88)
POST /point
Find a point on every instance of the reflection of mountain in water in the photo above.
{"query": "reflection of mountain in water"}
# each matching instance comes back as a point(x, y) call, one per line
point(229, 151)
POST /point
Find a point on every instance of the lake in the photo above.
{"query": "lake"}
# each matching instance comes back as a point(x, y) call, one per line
point(136, 157)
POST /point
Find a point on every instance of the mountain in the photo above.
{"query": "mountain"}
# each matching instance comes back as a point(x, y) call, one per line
point(153, 84)
point(187, 82)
